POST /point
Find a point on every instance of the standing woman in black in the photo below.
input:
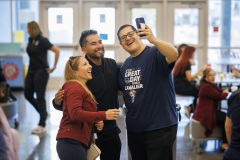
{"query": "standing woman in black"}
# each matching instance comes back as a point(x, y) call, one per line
point(38, 72)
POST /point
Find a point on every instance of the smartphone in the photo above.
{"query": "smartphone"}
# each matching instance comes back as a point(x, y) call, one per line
point(139, 21)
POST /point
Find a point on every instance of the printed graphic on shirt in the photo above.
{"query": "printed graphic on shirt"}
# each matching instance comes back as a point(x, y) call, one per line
point(133, 81)
point(132, 93)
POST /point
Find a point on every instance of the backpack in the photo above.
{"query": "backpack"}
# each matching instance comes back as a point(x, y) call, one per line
point(4, 92)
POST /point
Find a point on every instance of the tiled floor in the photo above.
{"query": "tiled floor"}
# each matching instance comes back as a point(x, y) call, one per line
point(32, 147)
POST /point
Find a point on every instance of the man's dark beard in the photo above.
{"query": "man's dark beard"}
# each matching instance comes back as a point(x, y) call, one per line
point(95, 57)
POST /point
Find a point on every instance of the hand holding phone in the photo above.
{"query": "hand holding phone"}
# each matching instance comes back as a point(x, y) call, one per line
point(140, 22)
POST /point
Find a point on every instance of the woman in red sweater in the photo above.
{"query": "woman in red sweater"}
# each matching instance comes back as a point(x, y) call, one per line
point(79, 112)
point(206, 111)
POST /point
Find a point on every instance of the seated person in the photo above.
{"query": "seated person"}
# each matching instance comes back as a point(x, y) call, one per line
point(206, 111)
point(183, 77)
point(235, 71)
point(232, 126)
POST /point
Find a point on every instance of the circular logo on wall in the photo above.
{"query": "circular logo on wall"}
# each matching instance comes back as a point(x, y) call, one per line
point(10, 71)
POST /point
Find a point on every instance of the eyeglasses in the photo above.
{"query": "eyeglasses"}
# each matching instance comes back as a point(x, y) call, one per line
point(129, 34)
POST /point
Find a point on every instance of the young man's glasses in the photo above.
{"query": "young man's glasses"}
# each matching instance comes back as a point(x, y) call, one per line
point(129, 34)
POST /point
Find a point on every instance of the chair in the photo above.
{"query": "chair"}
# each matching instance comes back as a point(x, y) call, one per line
point(197, 134)
point(185, 97)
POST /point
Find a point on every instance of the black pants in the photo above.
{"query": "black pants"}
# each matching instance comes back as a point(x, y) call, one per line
point(152, 145)
point(36, 83)
point(224, 158)
point(110, 144)
point(68, 149)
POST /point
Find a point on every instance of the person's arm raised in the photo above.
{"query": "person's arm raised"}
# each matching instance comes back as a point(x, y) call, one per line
point(169, 51)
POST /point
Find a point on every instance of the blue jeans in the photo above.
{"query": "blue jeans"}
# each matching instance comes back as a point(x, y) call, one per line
point(152, 145)
point(37, 82)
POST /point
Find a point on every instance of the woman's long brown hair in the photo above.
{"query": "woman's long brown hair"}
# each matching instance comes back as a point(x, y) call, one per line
point(34, 29)
point(183, 60)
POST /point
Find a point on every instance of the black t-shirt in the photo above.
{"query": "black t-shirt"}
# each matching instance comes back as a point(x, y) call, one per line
point(180, 81)
point(233, 152)
point(37, 53)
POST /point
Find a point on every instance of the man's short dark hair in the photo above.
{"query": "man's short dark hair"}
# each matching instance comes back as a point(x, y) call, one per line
point(84, 35)
point(124, 26)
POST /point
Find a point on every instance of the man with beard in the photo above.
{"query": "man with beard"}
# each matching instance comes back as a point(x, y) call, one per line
point(104, 87)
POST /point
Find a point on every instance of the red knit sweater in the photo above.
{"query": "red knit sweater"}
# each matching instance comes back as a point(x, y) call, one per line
point(79, 114)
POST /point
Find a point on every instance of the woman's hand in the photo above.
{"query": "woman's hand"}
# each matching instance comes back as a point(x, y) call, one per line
point(99, 125)
point(50, 70)
point(225, 91)
point(112, 114)
point(59, 97)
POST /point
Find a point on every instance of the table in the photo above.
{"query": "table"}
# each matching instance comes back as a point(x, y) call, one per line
point(227, 81)
point(224, 61)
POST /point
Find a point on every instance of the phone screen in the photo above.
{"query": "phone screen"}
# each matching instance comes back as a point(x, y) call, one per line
point(139, 21)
